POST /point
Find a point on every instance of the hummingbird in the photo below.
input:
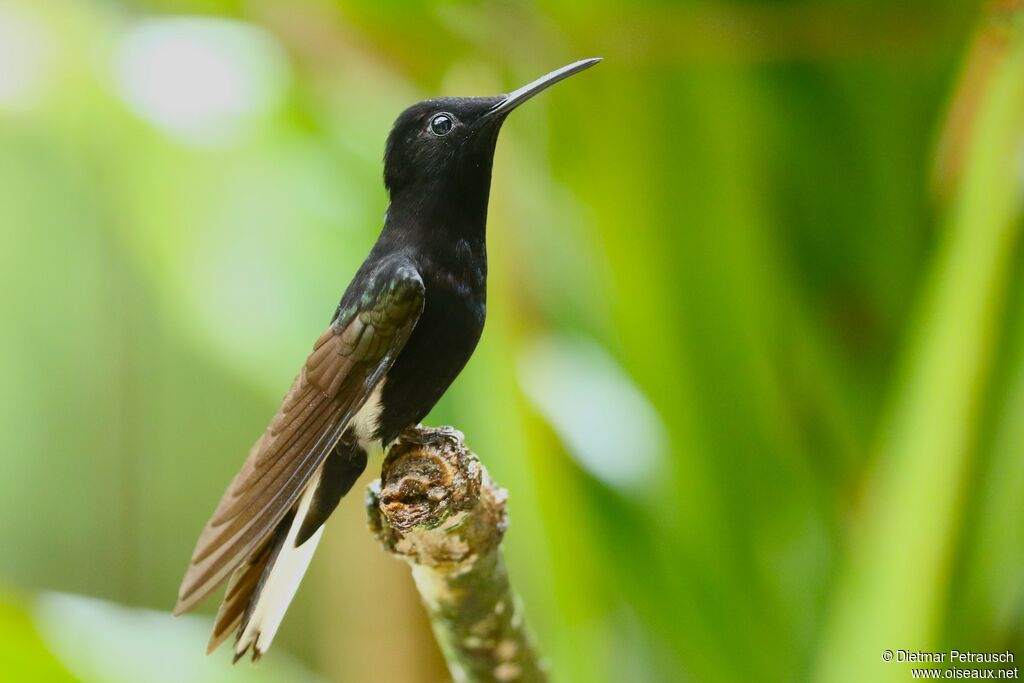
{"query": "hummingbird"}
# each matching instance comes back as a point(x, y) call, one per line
point(404, 329)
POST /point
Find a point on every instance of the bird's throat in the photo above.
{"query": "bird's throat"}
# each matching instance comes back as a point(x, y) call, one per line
point(445, 212)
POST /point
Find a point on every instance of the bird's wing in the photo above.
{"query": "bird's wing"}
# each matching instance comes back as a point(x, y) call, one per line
point(373, 323)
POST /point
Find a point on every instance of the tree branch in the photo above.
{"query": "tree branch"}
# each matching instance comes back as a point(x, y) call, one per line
point(436, 507)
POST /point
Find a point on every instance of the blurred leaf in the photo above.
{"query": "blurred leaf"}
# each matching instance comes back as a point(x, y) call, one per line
point(24, 654)
point(900, 554)
point(106, 643)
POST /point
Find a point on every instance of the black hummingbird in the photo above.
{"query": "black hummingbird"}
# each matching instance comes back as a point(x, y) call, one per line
point(405, 328)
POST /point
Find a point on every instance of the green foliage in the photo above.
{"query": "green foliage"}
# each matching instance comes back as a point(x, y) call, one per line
point(724, 233)
point(25, 655)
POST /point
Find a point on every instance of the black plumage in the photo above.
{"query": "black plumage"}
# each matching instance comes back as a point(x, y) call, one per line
point(406, 326)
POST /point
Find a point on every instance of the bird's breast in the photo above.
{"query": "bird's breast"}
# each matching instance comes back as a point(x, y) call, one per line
point(442, 342)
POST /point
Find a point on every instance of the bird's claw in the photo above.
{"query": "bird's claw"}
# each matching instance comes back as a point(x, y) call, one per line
point(431, 435)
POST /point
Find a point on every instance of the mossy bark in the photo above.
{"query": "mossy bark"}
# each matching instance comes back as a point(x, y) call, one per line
point(436, 507)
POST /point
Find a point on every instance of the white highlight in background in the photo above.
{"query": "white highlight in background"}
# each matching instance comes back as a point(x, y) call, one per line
point(205, 81)
point(26, 58)
point(97, 640)
point(605, 421)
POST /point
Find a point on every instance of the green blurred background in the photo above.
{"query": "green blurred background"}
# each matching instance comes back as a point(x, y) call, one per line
point(753, 371)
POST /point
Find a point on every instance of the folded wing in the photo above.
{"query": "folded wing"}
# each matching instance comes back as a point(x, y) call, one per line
point(373, 323)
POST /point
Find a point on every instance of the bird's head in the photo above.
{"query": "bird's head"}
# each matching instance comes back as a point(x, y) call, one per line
point(448, 143)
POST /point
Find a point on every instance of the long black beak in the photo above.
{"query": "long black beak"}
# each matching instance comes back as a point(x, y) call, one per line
point(517, 97)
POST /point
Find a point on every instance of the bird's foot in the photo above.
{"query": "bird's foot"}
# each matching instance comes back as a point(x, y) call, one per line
point(426, 436)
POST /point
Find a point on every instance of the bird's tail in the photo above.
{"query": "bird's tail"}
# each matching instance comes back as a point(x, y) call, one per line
point(261, 589)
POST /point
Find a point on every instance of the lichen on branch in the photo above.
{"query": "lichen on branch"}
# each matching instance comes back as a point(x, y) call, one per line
point(436, 507)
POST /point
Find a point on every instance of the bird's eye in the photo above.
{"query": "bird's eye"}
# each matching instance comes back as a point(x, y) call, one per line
point(442, 124)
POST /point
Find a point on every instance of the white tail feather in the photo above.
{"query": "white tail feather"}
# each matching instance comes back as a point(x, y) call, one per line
point(279, 588)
